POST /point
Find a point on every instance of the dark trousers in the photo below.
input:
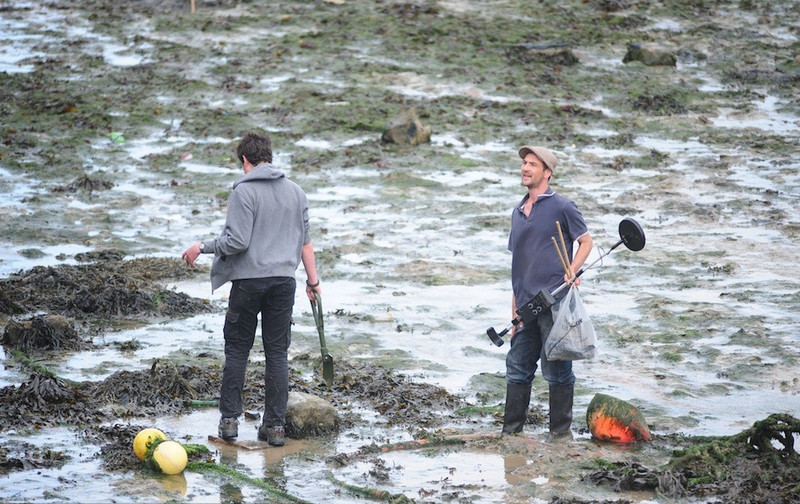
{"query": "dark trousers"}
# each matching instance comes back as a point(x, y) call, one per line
point(527, 353)
point(273, 298)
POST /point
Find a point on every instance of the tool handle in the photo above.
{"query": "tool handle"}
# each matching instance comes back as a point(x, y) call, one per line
point(316, 310)
point(560, 256)
point(567, 259)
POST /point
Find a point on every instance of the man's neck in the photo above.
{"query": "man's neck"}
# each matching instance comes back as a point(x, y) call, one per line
point(535, 192)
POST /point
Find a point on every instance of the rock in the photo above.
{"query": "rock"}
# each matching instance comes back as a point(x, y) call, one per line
point(406, 129)
point(555, 54)
point(612, 419)
point(308, 415)
point(649, 56)
point(48, 332)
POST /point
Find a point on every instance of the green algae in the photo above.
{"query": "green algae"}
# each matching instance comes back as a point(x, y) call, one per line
point(232, 475)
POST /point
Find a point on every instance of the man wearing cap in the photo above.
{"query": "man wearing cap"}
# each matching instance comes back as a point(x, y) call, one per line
point(266, 236)
point(535, 265)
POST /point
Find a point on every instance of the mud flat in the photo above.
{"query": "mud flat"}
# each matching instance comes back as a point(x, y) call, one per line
point(118, 124)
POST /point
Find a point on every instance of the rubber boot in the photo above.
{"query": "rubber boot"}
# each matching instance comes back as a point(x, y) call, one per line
point(560, 412)
point(516, 414)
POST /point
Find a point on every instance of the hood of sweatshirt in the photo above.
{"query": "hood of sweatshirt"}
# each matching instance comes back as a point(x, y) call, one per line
point(264, 171)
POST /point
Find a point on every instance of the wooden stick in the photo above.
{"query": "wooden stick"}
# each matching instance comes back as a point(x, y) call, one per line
point(192, 6)
point(560, 257)
point(567, 258)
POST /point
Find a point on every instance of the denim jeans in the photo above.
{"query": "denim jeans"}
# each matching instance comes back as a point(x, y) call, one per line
point(273, 297)
point(527, 348)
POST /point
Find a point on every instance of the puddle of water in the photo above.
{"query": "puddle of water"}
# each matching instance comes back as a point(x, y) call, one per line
point(480, 477)
point(417, 86)
point(766, 117)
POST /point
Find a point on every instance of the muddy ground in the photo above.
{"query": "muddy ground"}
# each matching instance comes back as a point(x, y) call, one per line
point(105, 78)
point(757, 465)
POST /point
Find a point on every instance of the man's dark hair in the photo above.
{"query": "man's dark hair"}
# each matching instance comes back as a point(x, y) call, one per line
point(256, 146)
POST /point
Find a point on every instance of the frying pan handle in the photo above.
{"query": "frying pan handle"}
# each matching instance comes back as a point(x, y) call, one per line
point(497, 337)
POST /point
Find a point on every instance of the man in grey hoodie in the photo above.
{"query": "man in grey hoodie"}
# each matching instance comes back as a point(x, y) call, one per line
point(266, 236)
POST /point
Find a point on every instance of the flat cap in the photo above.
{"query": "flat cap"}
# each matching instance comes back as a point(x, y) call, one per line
point(548, 158)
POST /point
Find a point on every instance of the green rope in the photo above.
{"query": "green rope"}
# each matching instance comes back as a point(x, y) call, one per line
point(203, 403)
point(372, 493)
point(416, 444)
point(34, 366)
point(211, 467)
point(432, 442)
point(195, 449)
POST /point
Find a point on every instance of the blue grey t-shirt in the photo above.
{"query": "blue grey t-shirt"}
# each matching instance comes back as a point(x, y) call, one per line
point(534, 260)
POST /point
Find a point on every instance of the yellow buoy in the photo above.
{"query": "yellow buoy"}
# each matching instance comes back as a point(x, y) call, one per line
point(170, 457)
point(144, 439)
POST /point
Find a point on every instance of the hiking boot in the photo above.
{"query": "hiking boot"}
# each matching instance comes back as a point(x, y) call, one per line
point(272, 435)
point(228, 428)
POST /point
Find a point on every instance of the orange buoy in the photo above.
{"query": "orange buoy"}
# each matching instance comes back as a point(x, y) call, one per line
point(612, 419)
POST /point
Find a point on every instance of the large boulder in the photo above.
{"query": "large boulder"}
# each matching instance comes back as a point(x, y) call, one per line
point(548, 54)
point(308, 415)
point(615, 420)
point(406, 129)
point(649, 55)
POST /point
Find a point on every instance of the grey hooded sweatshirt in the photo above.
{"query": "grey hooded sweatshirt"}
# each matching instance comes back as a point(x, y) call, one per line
point(265, 228)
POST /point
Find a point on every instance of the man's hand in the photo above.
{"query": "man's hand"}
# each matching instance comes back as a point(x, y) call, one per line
point(310, 292)
point(191, 254)
point(576, 282)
